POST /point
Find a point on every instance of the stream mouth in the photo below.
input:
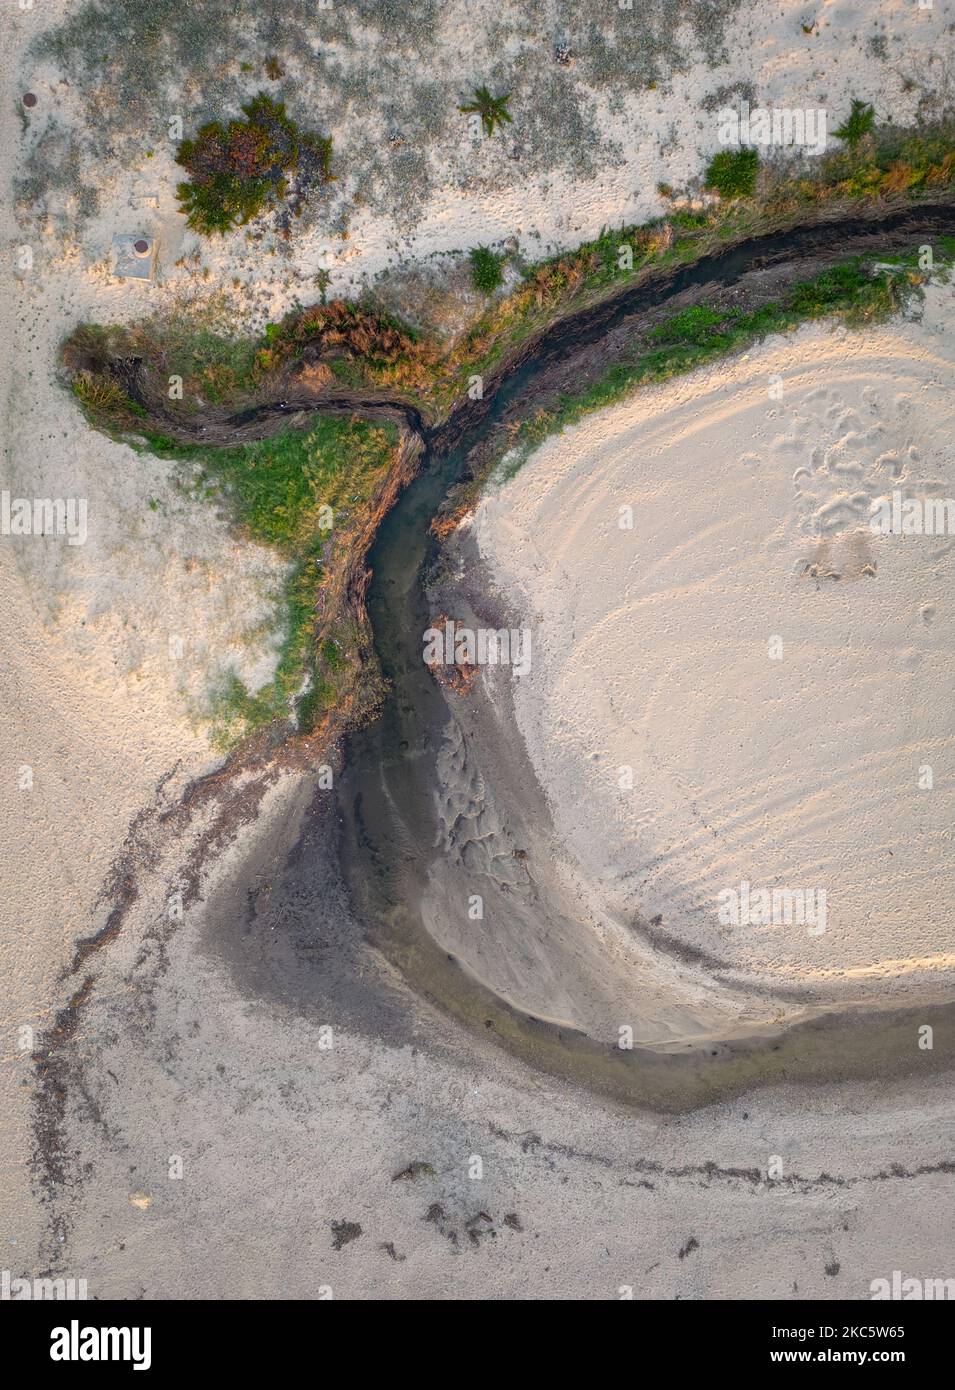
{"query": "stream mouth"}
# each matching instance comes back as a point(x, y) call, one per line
point(391, 836)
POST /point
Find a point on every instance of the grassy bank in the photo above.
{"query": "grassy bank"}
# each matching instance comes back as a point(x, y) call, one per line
point(851, 292)
point(887, 167)
point(307, 494)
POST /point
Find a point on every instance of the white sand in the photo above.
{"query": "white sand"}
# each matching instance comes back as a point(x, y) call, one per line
point(110, 648)
point(652, 651)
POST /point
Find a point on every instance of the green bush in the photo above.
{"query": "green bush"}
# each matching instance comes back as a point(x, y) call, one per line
point(733, 173)
point(486, 271)
point(859, 122)
point(492, 110)
point(236, 171)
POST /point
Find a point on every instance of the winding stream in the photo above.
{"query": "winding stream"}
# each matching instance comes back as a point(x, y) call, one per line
point(387, 788)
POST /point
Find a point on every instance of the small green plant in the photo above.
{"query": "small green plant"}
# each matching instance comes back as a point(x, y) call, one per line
point(733, 173)
point(486, 271)
point(236, 171)
point(101, 396)
point(858, 123)
point(492, 110)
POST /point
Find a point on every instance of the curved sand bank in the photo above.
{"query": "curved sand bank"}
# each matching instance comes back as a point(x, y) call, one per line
point(747, 686)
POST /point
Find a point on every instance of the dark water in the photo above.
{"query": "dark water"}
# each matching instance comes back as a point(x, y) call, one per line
point(386, 791)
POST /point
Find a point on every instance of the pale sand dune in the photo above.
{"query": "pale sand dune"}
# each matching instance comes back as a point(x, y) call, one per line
point(652, 651)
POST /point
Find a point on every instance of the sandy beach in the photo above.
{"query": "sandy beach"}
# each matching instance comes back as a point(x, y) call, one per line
point(216, 1081)
point(795, 738)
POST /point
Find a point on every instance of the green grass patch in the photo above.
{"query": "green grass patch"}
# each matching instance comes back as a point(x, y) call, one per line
point(103, 397)
point(486, 269)
point(689, 326)
point(733, 173)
